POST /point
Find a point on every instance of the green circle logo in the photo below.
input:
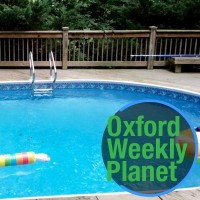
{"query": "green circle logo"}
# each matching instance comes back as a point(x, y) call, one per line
point(148, 148)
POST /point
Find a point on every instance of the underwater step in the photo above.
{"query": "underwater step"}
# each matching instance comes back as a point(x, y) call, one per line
point(43, 92)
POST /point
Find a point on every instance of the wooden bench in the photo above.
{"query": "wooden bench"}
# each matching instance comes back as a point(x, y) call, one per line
point(177, 62)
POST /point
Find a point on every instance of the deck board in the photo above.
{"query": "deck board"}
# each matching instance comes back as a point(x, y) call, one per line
point(192, 194)
point(124, 197)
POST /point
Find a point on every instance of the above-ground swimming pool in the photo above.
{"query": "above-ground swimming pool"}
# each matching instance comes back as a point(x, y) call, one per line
point(69, 127)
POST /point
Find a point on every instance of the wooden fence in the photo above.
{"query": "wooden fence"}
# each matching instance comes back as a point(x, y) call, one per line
point(97, 48)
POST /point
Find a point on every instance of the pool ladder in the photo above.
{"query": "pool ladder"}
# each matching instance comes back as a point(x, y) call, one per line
point(40, 89)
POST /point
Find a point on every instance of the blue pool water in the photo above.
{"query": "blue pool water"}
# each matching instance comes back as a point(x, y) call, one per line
point(69, 127)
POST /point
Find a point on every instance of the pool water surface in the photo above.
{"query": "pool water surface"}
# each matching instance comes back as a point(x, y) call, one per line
point(69, 127)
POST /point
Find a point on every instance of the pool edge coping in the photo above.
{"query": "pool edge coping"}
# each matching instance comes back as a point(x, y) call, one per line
point(107, 81)
point(88, 195)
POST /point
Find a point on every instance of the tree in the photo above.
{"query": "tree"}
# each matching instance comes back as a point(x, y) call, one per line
point(98, 14)
point(23, 15)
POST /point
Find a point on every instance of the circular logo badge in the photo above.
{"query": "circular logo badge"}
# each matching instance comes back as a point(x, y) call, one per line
point(148, 148)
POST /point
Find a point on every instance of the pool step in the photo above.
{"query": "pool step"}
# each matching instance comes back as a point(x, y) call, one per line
point(43, 92)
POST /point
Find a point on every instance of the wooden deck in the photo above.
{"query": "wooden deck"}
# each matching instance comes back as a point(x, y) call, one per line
point(188, 81)
point(193, 194)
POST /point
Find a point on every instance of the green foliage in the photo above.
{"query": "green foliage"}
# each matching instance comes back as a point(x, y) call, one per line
point(76, 14)
point(23, 15)
point(98, 14)
point(20, 3)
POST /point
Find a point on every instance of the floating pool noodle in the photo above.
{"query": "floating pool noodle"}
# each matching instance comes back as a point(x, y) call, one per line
point(22, 158)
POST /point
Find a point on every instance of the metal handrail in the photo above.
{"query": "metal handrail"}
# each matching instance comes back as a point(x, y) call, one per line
point(51, 60)
point(32, 68)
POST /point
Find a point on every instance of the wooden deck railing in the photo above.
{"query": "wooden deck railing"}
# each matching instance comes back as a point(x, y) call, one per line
point(176, 42)
point(15, 47)
point(107, 48)
point(96, 48)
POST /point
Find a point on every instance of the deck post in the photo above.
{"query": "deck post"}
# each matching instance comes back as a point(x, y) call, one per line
point(65, 47)
point(152, 46)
